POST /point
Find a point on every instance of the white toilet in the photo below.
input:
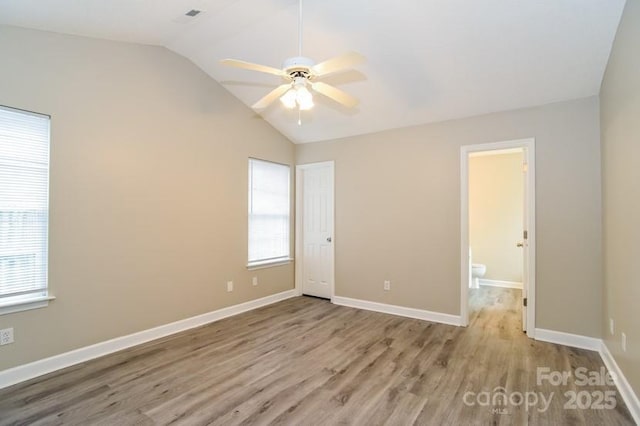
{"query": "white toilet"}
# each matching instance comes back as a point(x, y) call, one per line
point(477, 271)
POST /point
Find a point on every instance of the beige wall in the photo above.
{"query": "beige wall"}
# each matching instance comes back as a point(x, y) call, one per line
point(495, 214)
point(620, 121)
point(398, 211)
point(148, 186)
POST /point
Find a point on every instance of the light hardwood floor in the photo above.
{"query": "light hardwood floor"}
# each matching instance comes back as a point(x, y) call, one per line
point(305, 361)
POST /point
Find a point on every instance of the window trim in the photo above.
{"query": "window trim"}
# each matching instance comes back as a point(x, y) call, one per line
point(26, 305)
point(262, 264)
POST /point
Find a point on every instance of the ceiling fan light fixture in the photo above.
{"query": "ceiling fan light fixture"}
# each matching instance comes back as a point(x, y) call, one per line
point(306, 105)
point(304, 98)
point(298, 96)
point(289, 99)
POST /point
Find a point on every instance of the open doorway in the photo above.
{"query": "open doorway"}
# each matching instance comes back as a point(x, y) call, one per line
point(497, 235)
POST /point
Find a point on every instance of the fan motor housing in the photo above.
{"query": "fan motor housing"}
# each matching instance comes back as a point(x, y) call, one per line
point(298, 66)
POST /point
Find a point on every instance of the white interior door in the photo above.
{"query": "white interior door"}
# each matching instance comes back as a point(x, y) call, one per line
point(525, 242)
point(316, 226)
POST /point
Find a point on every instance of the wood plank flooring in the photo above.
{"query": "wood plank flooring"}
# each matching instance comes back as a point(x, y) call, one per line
point(305, 361)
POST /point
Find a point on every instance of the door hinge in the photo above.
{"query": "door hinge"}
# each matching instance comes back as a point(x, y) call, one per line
point(524, 302)
point(525, 234)
point(525, 167)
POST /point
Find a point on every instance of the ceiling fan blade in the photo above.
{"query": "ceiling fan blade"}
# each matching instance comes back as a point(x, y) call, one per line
point(253, 67)
point(338, 63)
point(335, 94)
point(271, 96)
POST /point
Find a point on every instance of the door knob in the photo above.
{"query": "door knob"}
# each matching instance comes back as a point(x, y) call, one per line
point(328, 239)
point(520, 245)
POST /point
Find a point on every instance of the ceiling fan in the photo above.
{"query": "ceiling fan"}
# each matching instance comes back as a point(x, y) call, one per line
point(301, 74)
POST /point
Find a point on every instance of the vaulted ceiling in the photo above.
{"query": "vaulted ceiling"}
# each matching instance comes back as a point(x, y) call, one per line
point(427, 60)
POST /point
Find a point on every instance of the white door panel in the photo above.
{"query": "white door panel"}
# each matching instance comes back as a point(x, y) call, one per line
point(316, 219)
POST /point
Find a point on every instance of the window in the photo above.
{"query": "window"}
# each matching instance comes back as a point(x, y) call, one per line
point(24, 207)
point(268, 213)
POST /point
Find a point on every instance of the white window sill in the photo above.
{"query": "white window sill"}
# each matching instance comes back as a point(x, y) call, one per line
point(268, 264)
point(25, 305)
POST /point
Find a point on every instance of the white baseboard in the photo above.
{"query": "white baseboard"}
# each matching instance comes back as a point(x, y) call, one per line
point(38, 368)
point(499, 283)
point(625, 389)
point(568, 339)
point(398, 310)
point(594, 344)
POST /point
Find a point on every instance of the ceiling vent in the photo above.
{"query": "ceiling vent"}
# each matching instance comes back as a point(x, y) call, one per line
point(189, 16)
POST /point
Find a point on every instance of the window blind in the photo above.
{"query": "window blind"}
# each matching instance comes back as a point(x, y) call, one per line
point(269, 212)
point(24, 205)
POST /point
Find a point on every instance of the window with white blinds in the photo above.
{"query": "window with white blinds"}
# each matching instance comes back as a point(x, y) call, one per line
point(269, 212)
point(24, 206)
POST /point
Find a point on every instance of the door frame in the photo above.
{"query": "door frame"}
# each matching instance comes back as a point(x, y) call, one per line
point(300, 168)
point(529, 158)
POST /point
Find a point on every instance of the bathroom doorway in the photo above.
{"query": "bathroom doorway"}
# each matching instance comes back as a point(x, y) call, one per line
point(498, 235)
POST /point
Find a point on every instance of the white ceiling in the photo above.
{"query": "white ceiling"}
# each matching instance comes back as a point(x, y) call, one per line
point(427, 60)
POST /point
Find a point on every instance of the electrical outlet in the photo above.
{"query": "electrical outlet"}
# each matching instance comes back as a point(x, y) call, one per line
point(254, 281)
point(624, 342)
point(387, 285)
point(611, 326)
point(229, 286)
point(6, 336)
